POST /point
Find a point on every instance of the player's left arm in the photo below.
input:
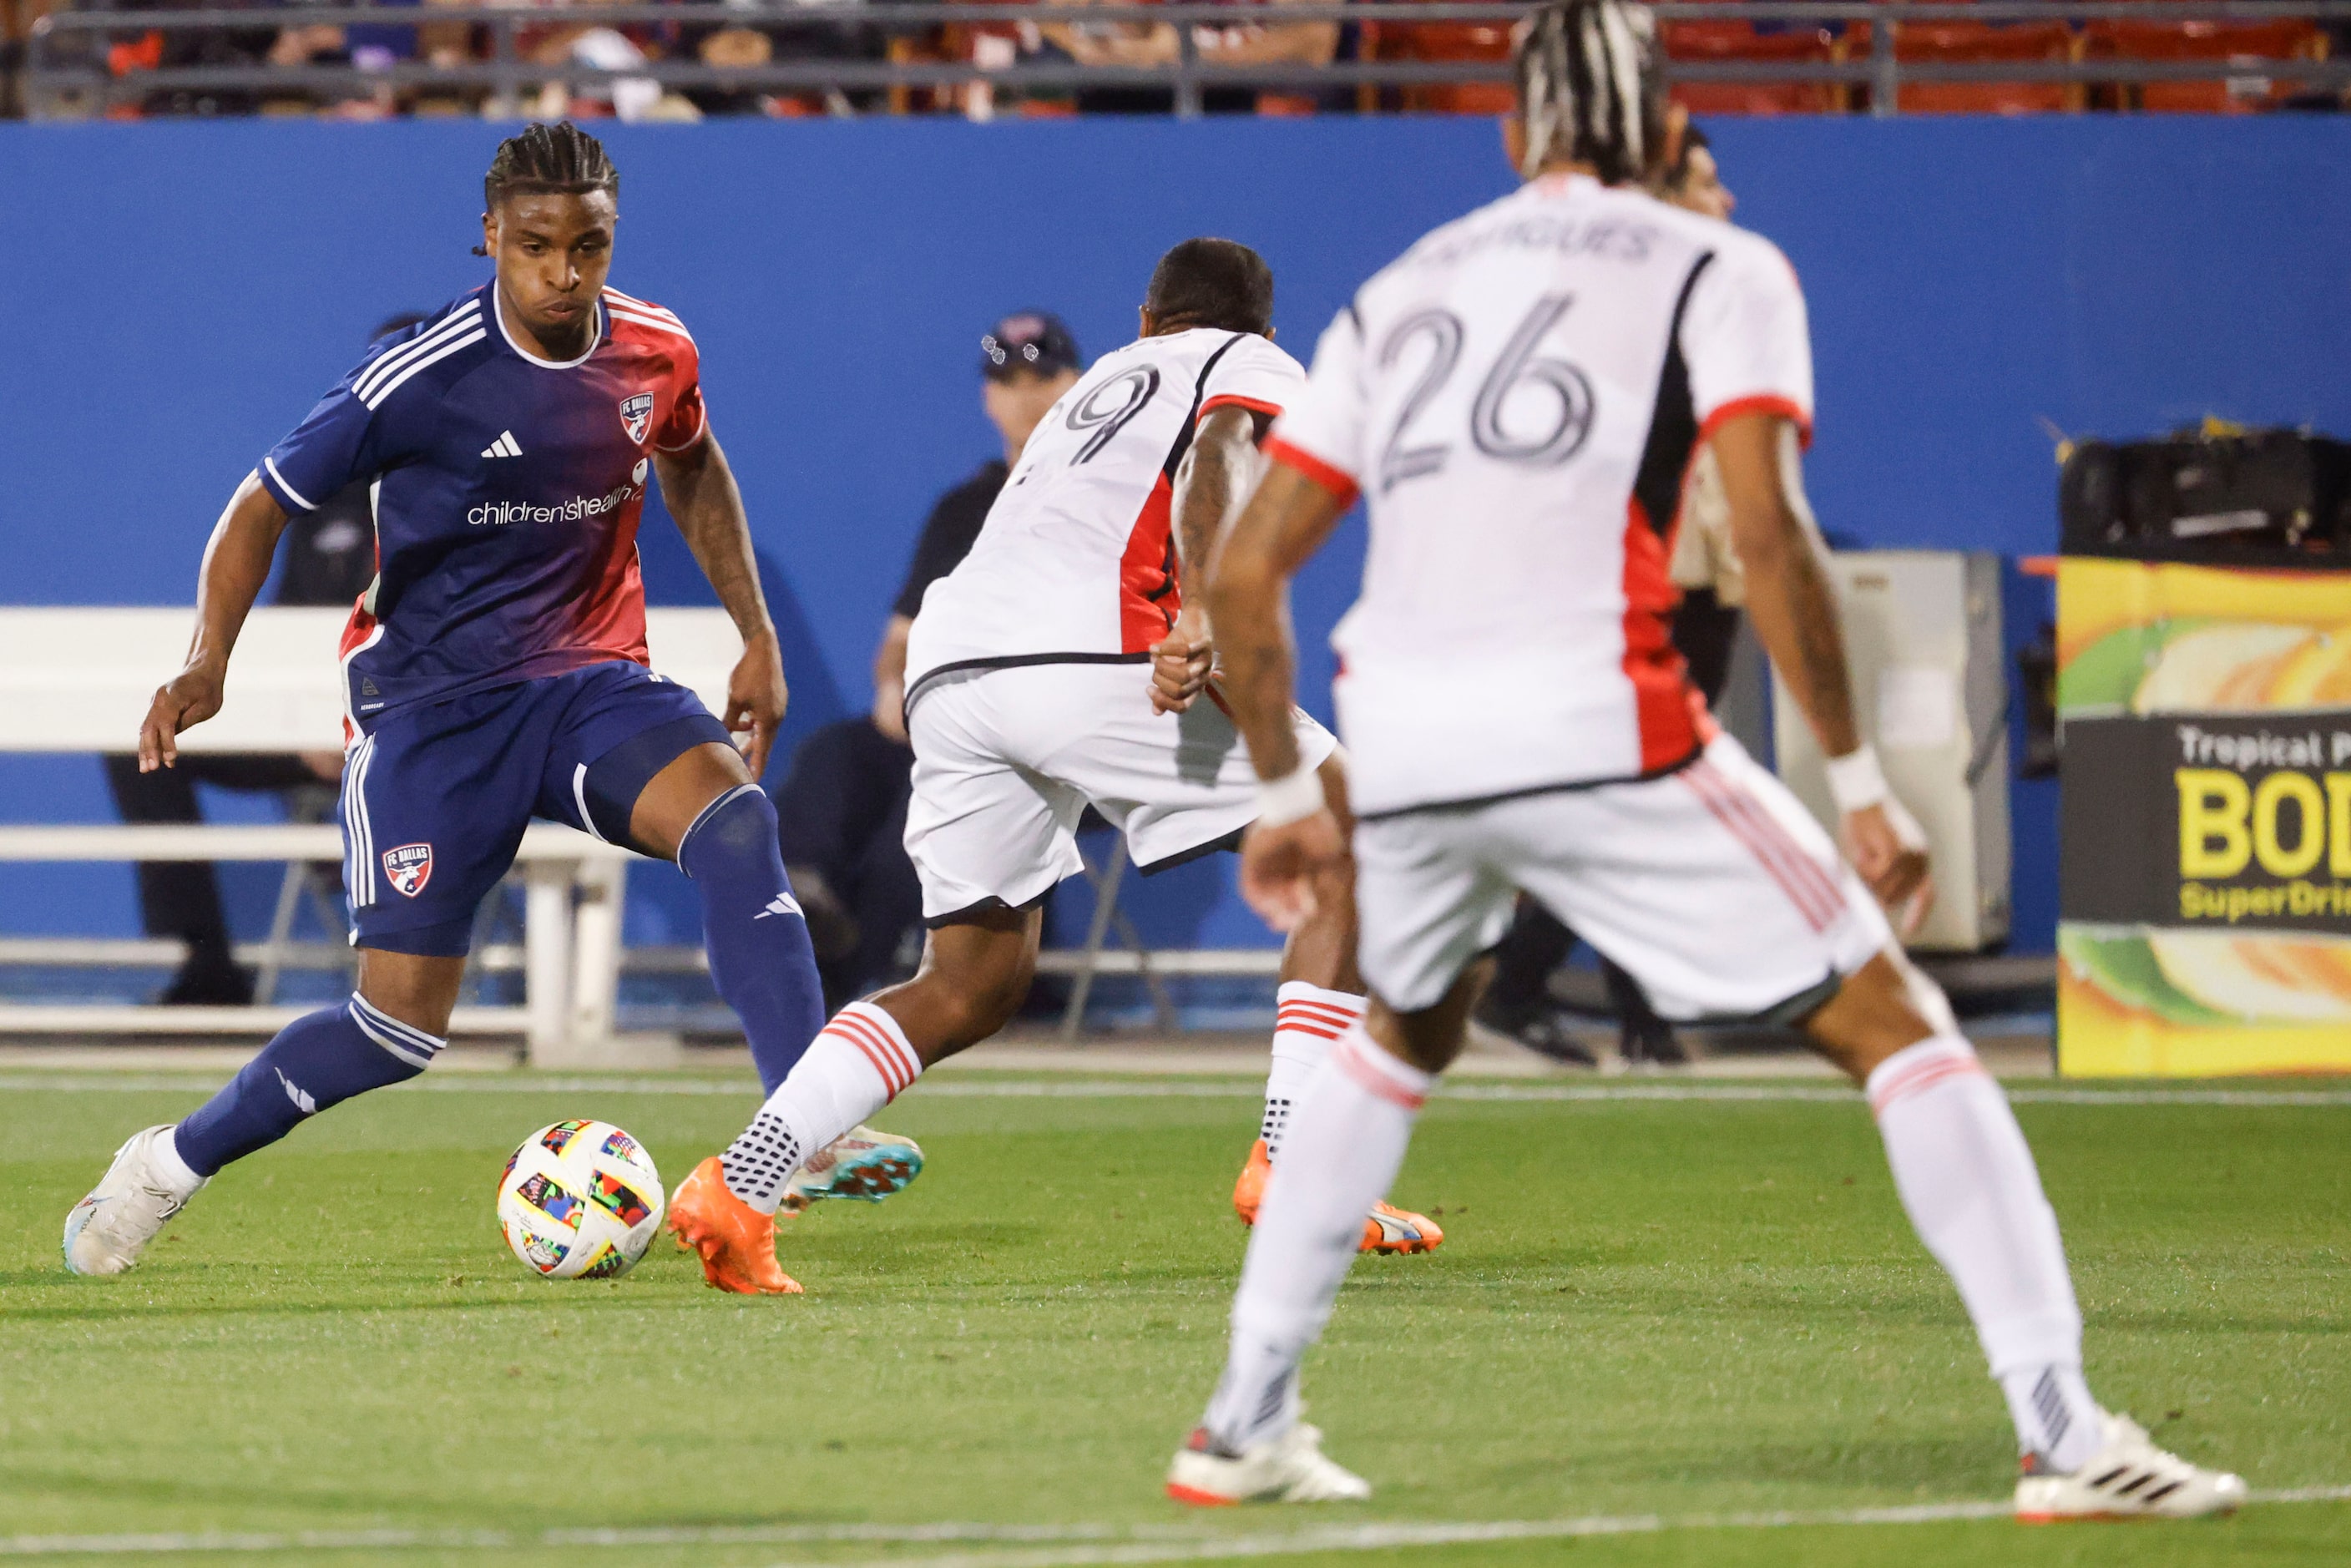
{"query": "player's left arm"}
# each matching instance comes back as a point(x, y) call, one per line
point(1210, 485)
point(699, 489)
point(1295, 841)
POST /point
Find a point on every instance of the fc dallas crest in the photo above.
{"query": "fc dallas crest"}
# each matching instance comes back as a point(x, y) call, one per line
point(408, 868)
point(636, 413)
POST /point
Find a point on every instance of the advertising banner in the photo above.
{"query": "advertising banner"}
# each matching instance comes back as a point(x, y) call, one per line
point(2205, 874)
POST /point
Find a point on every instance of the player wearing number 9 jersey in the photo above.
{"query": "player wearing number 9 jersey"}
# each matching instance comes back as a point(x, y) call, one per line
point(1516, 399)
point(1061, 665)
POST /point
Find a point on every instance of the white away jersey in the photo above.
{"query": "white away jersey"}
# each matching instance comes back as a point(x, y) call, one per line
point(1076, 563)
point(1518, 397)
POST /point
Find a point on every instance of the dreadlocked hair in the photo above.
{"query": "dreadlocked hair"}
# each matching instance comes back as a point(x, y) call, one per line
point(1592, 88)
point(548, 159)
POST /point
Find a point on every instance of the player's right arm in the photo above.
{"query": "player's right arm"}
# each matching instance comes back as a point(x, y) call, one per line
point(236, 564)
point(357, 429)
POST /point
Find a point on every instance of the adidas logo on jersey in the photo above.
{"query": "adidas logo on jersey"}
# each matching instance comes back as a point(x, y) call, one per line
point(504, 446)
point(782, 903)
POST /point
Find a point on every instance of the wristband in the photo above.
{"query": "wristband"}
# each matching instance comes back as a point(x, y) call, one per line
point(1855, 781)
point(1292, 797)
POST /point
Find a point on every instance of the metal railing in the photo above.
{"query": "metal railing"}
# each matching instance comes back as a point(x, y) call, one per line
point(67, 71)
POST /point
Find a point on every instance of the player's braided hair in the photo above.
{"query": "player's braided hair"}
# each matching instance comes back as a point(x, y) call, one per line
point(548, 159)
point(1592, 88)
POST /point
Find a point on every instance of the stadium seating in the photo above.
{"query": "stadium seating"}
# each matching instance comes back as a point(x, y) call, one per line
point(1980, 43)
point(1690, 42)
point(1443, 42)
point(2245, 44)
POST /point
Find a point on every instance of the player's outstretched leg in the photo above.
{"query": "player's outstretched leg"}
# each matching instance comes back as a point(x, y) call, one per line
point(318, 1060)
point(1346, 1140)
point(975, 973)
point(1967, 1181)
point(1309, 1018)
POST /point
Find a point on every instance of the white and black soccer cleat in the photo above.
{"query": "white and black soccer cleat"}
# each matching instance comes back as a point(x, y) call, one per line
point(2128, 1478)
point(107, 1231)
point(1290, 1468)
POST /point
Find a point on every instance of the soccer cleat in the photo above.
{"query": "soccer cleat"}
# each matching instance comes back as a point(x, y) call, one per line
point(860, 1164)
point(1399, 1232)
point(1290, 1468)
point(2128, 1478)
point(1387, 1229)
point(736, 1241)
point(105, 1231)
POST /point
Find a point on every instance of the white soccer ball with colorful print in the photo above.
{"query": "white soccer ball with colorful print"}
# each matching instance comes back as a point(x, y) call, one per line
point(580, 1200)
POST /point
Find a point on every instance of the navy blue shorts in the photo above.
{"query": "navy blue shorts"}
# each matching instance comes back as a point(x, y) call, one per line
point(436, 798)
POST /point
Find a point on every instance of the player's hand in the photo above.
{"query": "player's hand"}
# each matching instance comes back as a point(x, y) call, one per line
point(1890, 854)
point(188, 698)
point(1290, 871)
point(756, 698)
point(1181, 664)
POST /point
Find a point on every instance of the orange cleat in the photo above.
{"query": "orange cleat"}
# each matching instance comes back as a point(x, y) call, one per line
point(1249, 1190)
point(1397, 1231)
point(736, 1242)
point(1387, 1229)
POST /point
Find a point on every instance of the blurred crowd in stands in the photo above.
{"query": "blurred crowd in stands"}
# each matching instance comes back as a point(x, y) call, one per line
point(2247, 63)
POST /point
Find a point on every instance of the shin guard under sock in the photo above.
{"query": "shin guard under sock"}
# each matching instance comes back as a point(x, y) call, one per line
point(1967, 1181)
point(752, 928)
point(320, 1059)
point(858, 1063)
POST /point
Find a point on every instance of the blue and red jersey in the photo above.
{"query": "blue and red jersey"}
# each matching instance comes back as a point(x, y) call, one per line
point(507, 490)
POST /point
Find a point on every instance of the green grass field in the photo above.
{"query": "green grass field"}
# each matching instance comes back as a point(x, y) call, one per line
point(1645, 1313)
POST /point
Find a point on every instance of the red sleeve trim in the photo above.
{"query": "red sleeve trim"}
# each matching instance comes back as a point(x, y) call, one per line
point(1314, 467)
point(701, 429)
point(1762, 402)
point(1232, 399)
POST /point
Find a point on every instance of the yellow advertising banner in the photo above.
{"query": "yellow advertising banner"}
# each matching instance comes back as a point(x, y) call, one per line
point(2205, 876)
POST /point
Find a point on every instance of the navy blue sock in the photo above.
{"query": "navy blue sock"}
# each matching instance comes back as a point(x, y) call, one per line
point(760, 958)
point(318, 1060)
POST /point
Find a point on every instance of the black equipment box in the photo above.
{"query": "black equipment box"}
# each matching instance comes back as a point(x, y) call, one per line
point(2263, 497)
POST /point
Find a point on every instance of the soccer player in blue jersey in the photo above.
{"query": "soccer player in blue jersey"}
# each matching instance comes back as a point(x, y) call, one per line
point(496, 670)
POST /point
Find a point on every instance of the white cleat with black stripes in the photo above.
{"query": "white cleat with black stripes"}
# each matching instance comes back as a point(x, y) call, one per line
point(105, 1231)
point(2128, 1478)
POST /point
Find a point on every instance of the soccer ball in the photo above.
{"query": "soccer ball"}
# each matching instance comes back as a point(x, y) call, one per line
point(580, 1200)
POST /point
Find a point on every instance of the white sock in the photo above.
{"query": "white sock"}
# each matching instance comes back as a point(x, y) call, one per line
point(1307, 1020)
point(2053, 1404)
point(176, 1171)
point(1967, 1179)
point(1347, 1138)
point(858, 1063)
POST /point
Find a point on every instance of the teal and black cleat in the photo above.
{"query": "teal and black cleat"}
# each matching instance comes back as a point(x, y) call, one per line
point(862, 1164)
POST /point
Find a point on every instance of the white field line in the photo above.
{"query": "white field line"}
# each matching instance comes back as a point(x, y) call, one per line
point(1230, 1089)
point(1040, 1545)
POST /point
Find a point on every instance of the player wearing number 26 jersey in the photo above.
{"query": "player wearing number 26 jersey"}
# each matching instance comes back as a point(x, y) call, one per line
point(1516, 399)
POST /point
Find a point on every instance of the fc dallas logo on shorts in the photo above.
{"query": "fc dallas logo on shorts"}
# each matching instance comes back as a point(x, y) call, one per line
point(636, 413)
point(408, 868)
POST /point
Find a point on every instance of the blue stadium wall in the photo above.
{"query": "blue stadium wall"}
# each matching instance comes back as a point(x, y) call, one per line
point(180, 294)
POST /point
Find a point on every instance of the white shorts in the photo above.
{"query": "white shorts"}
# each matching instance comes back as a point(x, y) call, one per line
point(1712, 885)
point(1005, 761)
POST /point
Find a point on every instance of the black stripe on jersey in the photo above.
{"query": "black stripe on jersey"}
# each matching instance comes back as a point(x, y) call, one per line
point(1673, 424)
point(1014, 661)
point(1572, 787)
point(1192, 416)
